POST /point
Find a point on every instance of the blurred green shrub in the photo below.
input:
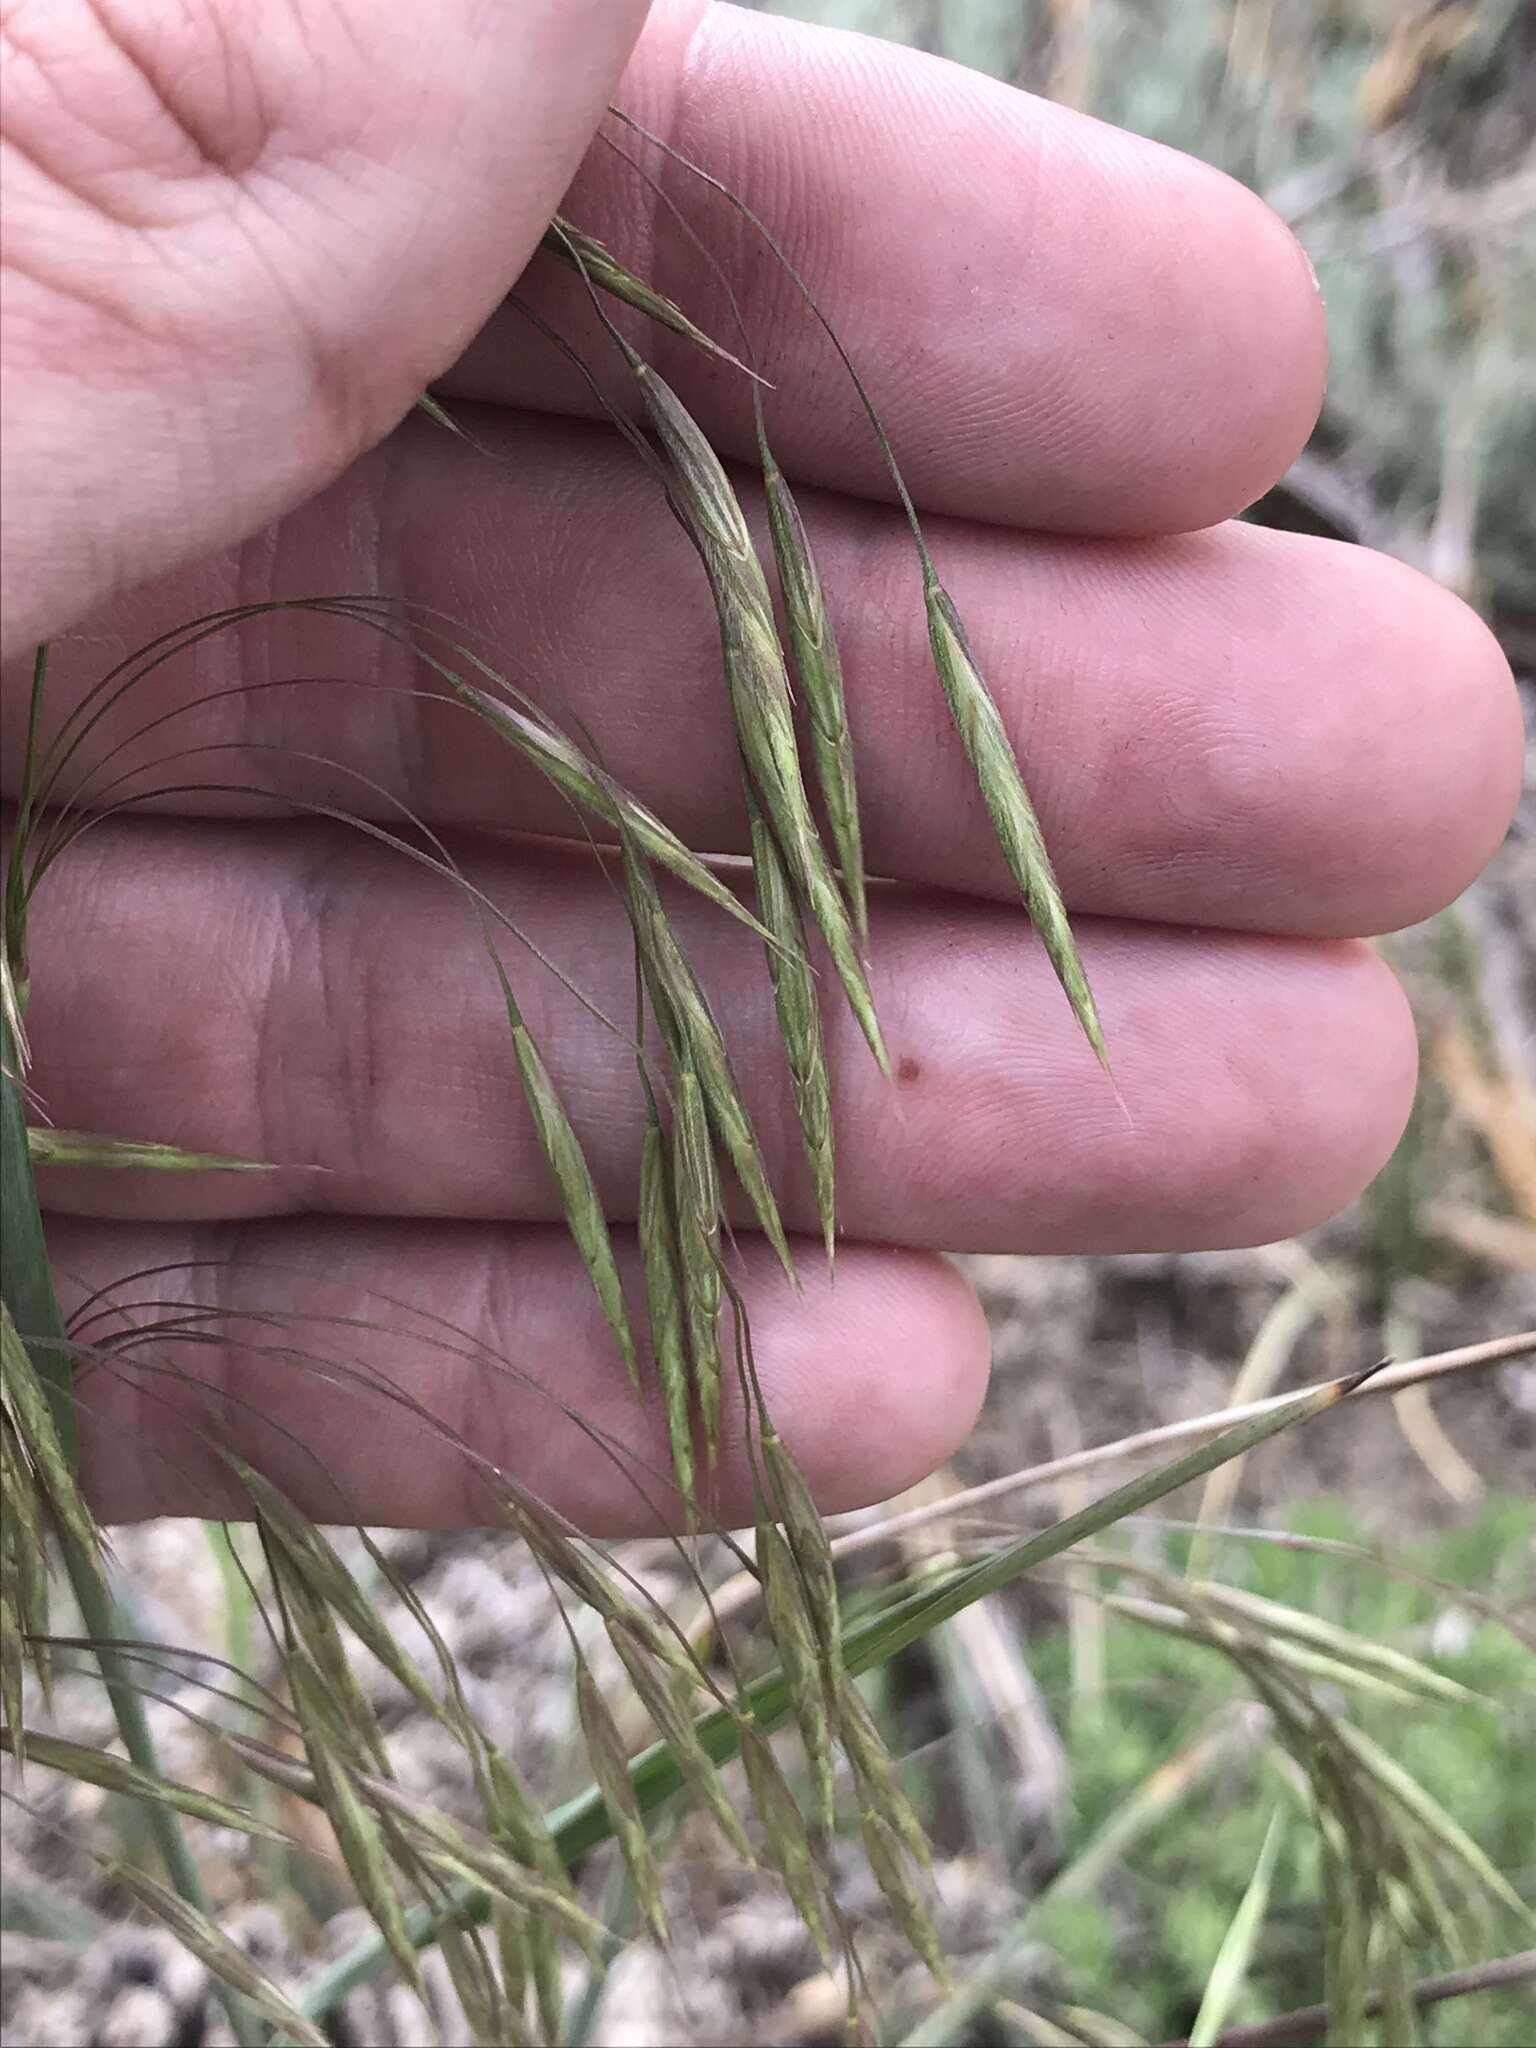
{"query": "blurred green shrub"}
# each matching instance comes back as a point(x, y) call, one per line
point(1399, 139)
point(1142, 1948)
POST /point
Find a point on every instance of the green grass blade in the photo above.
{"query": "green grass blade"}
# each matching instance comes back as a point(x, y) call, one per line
point(1229, 1973)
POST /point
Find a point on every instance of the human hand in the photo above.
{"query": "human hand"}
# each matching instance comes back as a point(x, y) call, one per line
point(237, 243)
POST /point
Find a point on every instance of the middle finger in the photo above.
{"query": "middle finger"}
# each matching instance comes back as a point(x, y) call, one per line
point(1241, 728)
point(326, 1004)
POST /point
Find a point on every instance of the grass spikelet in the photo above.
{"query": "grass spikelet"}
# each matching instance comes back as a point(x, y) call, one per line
point(875, 1774)
point(784, 1829)
point(518, 1826)
point(489, 2014)
point(664, 1302)
point(564, 764)
point(697, 1190)
point(344, 1716)
point(806, 1535)
point(14, 1627)
point(212, 1946)
point(24, 1599)
point(789, 1623)
point(29, 1415)
point(819, 672)
point(359, 1836)
point(49, 1147)
point(799, 1012)
point(573, 1176)
point(117, 1775)
point(888, 1862)
point(695, 1040)
point(991, 755)
point(595, 261)
point(610, 1767)
point(981, 729)
point(675, 1725)
point(509, 1926)
point(757, 681)
point(438, 1842)
point(564, 1560)
point(312, 1559)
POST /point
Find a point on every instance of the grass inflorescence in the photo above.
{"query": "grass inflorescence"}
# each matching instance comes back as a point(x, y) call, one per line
point(656, 1721)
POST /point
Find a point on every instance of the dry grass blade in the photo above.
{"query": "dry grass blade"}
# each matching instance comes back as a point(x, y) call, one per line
point(664, 1302)
point(991, 755)
point(784, 1829)
point(789, 1623)
point(799, 1012)
point(676, 1727)
point(697, 1191)
point(695, 1041)
point(583, 1209)
point(610, 1767)
point(1308, 2022)
point(1096, 2029)
point(117, 1775)
point(819, 671)
point(595, 261)
point(1408, 1372)
point(208, 1942)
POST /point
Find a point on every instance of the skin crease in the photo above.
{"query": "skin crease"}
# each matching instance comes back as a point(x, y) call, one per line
point(225, 280)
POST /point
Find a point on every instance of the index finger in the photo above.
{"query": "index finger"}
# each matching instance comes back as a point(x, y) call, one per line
point(1063, 326)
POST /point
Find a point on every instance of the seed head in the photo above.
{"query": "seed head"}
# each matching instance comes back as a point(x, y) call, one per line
point(991, 755)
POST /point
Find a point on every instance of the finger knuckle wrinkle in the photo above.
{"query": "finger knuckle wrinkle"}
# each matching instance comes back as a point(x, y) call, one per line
point(132, 110)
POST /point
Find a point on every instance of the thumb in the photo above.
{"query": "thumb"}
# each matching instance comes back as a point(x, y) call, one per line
point(238, 240)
